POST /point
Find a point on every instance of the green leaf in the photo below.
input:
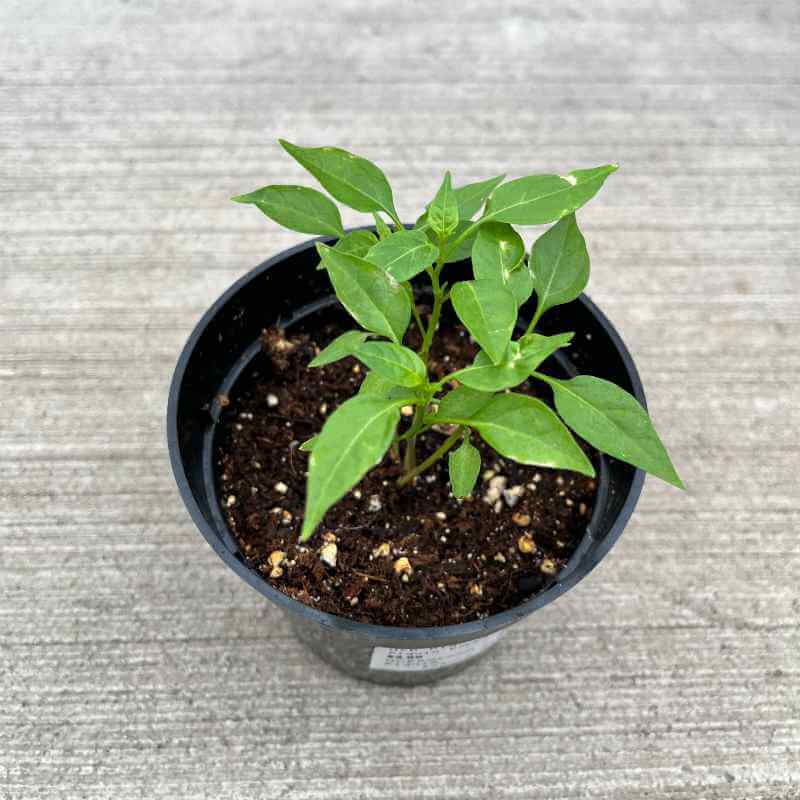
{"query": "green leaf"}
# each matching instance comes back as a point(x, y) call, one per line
point(341, 347)
point(520, 284)
point(398, 364)
point(471, 196)
point(403, 254)
point(498, 250)
point(613, 421)
point(381, 387)
point(353, 440)
point(464, 250)
point(374, 299)
point(356, 243)
point(375, 384)
point(383, 229)
point(469, 199)
point(352, 180)
point(520, 360)
point(308, 445)
point(298, 208)
point(524, 429)
point(539, 199)
point(443, 210)
point(560, 264)
point(464, 465)
point(489, 312)
point(461, 403)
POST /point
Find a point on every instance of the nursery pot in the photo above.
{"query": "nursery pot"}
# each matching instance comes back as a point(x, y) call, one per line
point(287, 290)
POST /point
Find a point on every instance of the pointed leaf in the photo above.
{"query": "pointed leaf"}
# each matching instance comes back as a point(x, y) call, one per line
point(352, 441)
point(520, 360)
point(464, 250)
point(374, 299)
point(538, 199)
point(352, 180)
point(526, 430)
point(443, 210)
point(381, 227)
point(498, 250)
point(464, 465)
point(461, 403)
point(341, 347)
point(398, 364)
point(297, 208)
point(613, 421)
point(520, 284)
point(560, 264)
point(471, 196)
point(469, 199)
point(356, 243)
point(403, 254)
point(489, 312)
point(308, 445)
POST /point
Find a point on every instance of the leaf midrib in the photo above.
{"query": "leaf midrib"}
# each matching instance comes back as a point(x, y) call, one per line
point(305, 215)
point(348, 449)
point(570, 186)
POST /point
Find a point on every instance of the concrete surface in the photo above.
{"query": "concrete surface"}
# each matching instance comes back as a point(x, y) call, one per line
point(133, 664)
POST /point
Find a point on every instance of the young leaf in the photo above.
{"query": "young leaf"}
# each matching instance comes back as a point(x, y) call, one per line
point(443, 210)
point(403, 254)
point(383, 229)
point(374, 299)
point(489, 312)
point(526, 430)
point(464, 250)
point(461, 403)
point(520, 360)
point(498, 250)
point(520, 284)
point(560, 264)
point(308, 445)
point(298, 208)
point(464, 465)
point(471, 196)
point(341, 347)
point(356, 243)
point(538, 199)
point(352, 180)
point(613, 421)
point(353, 440)
point(396, 363)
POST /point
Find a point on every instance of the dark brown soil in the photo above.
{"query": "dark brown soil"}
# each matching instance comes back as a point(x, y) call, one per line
point(466, 556)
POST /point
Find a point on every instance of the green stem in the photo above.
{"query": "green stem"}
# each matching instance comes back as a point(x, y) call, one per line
point(532, 323)
point(410, 457)
point(414, 309)
point(433, 458)
point(396, 221)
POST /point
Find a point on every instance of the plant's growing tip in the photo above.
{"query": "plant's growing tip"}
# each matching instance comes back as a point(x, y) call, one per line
point(371, 275)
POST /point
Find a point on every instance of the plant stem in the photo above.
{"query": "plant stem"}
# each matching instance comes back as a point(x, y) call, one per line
point(410, 456)
point(414, 309)
point(532, 323)
point(433, 458)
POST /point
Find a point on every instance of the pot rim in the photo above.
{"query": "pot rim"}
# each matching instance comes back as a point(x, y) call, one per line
point(464, 630)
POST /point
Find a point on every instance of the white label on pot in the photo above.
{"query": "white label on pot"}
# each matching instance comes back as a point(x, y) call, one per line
point(421, 659)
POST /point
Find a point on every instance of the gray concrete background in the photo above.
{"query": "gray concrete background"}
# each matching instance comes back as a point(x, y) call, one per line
point(133, 664)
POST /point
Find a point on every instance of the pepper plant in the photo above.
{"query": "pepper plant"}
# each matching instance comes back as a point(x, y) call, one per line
point(371, 275)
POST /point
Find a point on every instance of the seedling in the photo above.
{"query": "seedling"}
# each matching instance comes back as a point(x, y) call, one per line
point(371, 277)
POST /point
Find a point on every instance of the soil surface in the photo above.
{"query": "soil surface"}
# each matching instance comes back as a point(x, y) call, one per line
point(406, 557)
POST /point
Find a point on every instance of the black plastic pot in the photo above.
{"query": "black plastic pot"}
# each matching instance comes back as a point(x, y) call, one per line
point(288, 290)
